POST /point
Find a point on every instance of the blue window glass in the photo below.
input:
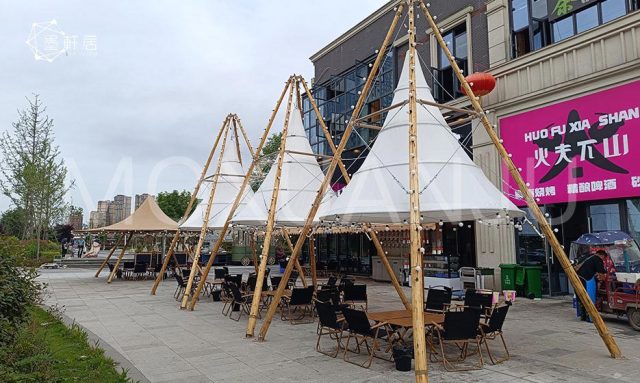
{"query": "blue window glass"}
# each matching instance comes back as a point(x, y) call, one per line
point(587, 19)
point(563, 29)
point(605, 217)
point(520, 14)
point(612, 9)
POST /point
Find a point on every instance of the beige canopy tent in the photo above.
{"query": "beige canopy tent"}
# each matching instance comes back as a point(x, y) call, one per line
point(148, 218)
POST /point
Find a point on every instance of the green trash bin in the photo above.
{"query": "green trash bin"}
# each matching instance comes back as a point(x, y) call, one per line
point(508, 276)
point(533, 281)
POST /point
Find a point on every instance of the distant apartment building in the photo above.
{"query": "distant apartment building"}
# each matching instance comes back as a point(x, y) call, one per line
point(110, 212)
point(97, 219)
point(75, 220)
point(140, 199)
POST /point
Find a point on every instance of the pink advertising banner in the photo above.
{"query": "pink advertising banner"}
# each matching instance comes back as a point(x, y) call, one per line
point(583, 149)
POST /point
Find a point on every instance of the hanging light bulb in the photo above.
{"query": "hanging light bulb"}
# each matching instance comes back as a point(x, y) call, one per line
point(441, 223)
point(386, 228)
point(480, 221)
point(461, 224)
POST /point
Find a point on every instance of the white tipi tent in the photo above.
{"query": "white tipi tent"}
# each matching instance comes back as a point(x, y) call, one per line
point(229, 183)
point(300, 180)
point(452, 187)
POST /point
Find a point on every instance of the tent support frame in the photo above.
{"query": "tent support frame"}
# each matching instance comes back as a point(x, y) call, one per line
point(124, 248)
point(106, 260)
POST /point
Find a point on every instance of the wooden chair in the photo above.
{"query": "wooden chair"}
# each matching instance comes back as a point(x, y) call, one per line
point(460, 328)
point(356, 294)
point(329, 324)
point(437, 299)
point(493, 329)
point(361, 330)
point(298, 306)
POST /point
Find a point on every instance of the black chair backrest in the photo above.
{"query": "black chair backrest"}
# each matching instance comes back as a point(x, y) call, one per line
point(498, 315)
point(345, 282)
point(302, 296)
point(477, 300)
point(235, 291)
point(110, 267)
point(275, 282)
point(327, 316)
point(357, 321)
point(128, 265)
point(355, 292)
point(157, 268)
point(140, 268)
point(461, 325)
point(324, 296)
point(293, 277)
point(180, 280)
point(332, 281)
point(186, 273)
point(438, 298)
point(251, 282)
point(219, 273)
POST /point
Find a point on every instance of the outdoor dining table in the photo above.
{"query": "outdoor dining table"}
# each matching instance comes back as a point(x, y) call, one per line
point(402, 320)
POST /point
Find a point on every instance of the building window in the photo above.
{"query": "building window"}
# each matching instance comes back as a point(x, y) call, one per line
point(447, 87)
point(590, 17)
point(633, 214)
point(605, 217)
point(530, 26)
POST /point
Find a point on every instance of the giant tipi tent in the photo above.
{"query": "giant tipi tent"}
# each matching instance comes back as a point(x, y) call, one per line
point(300, 180)
point(452, 187)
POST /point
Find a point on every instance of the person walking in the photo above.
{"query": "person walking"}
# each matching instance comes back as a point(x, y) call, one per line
point(588, 269)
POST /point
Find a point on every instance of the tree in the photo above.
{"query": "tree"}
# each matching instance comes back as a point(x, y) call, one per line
point(12, 222)
point(33, 174)
point(175, 203)
point(269, 154)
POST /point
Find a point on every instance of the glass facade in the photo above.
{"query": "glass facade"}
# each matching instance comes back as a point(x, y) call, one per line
point(531, 28)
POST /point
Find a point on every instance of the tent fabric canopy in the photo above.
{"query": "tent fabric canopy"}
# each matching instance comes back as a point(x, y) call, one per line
point(452, 187)
point(229, 182)
point(300, 180)
point(148, 217)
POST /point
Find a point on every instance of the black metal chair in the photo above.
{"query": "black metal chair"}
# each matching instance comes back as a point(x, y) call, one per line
point(181, 288)
point(329, 324)
point(474, 299)
point(298, 306)
point(331, 282)
point(360, 329)
point(437, 299)
point(140, 270)
point(219, 273)
point(356, 294)
point(239, 303)
point(293, 278)
point(493, 329)
point(460, 328)
point(127, 269)
point(275, 282)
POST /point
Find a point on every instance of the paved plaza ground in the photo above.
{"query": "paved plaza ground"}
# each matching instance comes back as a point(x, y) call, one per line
point(160, 343)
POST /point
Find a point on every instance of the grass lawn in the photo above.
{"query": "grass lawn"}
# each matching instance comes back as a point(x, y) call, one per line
point(47, 350)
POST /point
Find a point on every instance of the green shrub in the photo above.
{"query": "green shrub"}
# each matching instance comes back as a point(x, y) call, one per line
point(18, 289)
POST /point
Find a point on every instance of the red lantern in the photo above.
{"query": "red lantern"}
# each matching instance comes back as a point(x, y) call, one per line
point(481, 83)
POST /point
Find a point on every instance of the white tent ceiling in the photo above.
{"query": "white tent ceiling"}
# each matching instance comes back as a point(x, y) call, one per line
point(229, 183)
point(453, 188)
point(299, 182)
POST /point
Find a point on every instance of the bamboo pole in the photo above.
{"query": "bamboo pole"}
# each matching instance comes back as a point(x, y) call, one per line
point(124, 248)
point(312, 260)
point(165, 262)
point(106, 260)
point(237, 137)
point(561, 256)
point(244, 134)
point(387, 266)
point(417, 279)
point(285, 235)
point(254, 241)
point(205, 225)
point(273, 206)
point(332, 166)
point(324, 127)
point(236, 203)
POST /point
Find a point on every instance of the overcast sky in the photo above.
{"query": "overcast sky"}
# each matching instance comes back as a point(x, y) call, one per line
point(145, 84)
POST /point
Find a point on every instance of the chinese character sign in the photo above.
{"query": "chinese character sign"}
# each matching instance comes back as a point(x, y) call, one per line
point(583, 149)
point(561, 8)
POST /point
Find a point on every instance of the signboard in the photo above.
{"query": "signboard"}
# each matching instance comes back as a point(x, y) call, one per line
point(561, 8)
point(583, 149)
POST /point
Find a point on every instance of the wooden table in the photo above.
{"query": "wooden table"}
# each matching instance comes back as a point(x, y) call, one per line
point(403, 318)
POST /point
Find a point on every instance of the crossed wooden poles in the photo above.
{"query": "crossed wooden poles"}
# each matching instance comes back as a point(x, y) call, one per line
point(417, 297)
point(231, 123)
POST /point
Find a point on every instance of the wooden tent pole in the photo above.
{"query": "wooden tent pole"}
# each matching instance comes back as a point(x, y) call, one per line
point(561, 256)
point(240, 195)
point(325, 129)
point(205, 224)
point(165, 262)
point(312, 260)
point(106, 260)
point(387, 266)
point(244, 134)
point(124, 248)
point(273, 206)
point(285, 235)
point(237, 137)
point(417, 279)
point(331, 168)
point(299, 98)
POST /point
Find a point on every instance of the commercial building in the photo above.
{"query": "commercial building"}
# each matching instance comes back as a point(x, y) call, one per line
point(549, 57)
point(567, 108)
